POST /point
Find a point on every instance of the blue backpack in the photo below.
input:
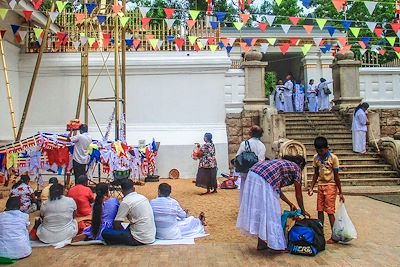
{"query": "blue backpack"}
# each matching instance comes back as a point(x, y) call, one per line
point(306, 238)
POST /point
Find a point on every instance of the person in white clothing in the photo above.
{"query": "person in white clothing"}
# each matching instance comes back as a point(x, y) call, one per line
point(288, 94)
point(312, 97)
point(323, 94)
point(14, 237)
point(256, 146)
point(172, 222)
point(359, 128)
point(81, 145)
point(279, 97)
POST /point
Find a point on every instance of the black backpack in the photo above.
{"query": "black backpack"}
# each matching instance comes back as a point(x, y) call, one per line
point(245, 160)
point(306, 238)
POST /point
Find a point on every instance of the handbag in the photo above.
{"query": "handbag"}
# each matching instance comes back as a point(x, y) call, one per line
point(245, 160)
point(327, 91)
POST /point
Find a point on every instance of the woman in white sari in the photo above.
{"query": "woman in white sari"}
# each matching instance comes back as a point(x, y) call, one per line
point(359, 128)
point(279, 97)
point(288, 94)
point(323, 95)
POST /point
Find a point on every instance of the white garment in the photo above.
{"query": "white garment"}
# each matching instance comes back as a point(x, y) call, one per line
point(171, 220)
point(82, 142)
point(58, 221)
point(359, 131)
point(299, 99)
point(14, 236)
point(323, 99)
point(260, 212)
point(256, 146)
point(288, 94)
point(312, 98)
point(279, 98)
point(137, 209)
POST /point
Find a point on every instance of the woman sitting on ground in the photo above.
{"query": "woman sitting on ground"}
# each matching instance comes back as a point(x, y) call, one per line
point(103, 214)
point(14, 240)
point(24, 192)
point(58, 217)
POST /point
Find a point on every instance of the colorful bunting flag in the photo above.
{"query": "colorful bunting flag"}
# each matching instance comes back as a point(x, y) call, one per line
point(136, 44)
point(190, 23)
point(144, 10)
point(366, 40)
point(331, 30)
point(3, 13)
point(169, 22)
point(306, 3)
point(116, 9)
point(12, 4)
point(378, 32)
point(338, 4)
point(306, 48)
point(200, 45)
point(238, 25)
point(294, 41)
point(192, 39)
point(76, 44)
point(91, 41)
point(355, 31)
point(326, 48)
point(101, 19)
point(370, 6)
point(194, 14)
point(145, 22)
point(124, 20)
point(15, 28)
point(391, 40)
point(278, 2)
point(262, 26)
point(398, 55)
point(248, 41)
point(229, 49)
point(79, 17)
point(244, 47)
point(271, 41)
point(363, 51)
point(284, 48)
point(22, 34)
point(321, 23)
point(90, 7)
point(204, 42)
point(395, 27)
point(270, 19)
point(2, 33)
point(382, 52)
point(345, 49)
point(346, 24)
point(154, 43)
point(294, 20)
point(37, 4)
point(285, 28)
point(38, 32)
point(210, 40)
point(61, 5)
point(264, 47)
point(95, 45)
point(129, 42)
point(244, 17)
point(362, 45)
point(169, 12)
point(27, 14)
point(317, 41)
point(371, 25)
point(214, 24)
point(179, 43)
point(342, 41)
point(213, 48)
point(231, 41)
point(62, 37)
point(308, 28)
point(220, 16)
point(53, 16)
point(225, 42)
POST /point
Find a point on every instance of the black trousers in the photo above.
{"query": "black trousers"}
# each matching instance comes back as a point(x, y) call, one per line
point(79, 169)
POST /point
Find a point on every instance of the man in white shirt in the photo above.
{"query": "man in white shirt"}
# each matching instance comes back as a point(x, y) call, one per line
point(81, 145)
point(172, 222)
point(136, 208)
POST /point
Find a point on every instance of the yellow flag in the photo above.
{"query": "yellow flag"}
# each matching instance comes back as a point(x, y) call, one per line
point(91, 41)
point(192, 39)
point(123, 20)
point(61, 5)
point(213, 48)
point(154, 43)
point(3, 13)
point(194, 14)
point(321, 23)
point(306, 48)
point(391, 40)
point(238, 25)
point(271, 41)
point(355, 31)
point(38, 32)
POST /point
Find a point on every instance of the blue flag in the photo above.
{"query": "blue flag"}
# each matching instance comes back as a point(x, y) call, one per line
point(220, 16)
point(101, 19)
point(221, 45)
point(306, 3)
point(248, 41)
point(154, 146)
point(228, 49)
point(366, 40)
point(331, 30)
point(214, 25)
point(15, 28)
point(129, 42)
point(170, 39)
point(346, 24)
point(326, 48)
point(90, 7)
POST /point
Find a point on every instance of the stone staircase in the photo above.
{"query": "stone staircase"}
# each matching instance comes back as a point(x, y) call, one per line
point(357, 170)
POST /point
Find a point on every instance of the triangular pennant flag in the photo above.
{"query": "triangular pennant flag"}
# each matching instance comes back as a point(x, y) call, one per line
point(264, 47)
point(36, 5)
point(2, 33)
point(270, 19)
point(106, 40)
point(27, 14)
point(62, 37)
point(355, 31)
point(244, 47)
point(169, 22)
point(308, 28)
point(159, 44)
point(397, 49)
point(366, 40)
point(199, 45)
point(262, 26)
point(210, 40)
point(95, 45)
point(229, 49)
point(124, 20)
point(224, 42)
point(398, 55)
point(370, 6)
point(321, 23)
point(144, 10)
point(79, 17)
point(61, 5)
point(204, 41)
point(338, 4)
point(285, 28)
point(395, 27)
point(371, 25)
point(294, 20)
point(214, 24)
point(375, 48)
point(230, 41)
point(90, 7)
point(363, 51)
point(342, 41)
point(306, 48)
point(169, 12)
point(294, 41)
point(179, 43)
point(244, 17)
point(284, 48)
point(84, 40)
point(213, 48)
point(145, 22)
point(271, 41)
point(149, 37)
point(76, 45)
point(192, 39)
point(154, 43)
point(326, 48)
point(391, 40)
point(346, 24)
point(22, 34)
point(91, 41)
point(15, 28)
point(306, 3)
point(196, 47)
point(101, 19)
point(248, 41)
point(345, 49)
point(382, 52)
point(116, 9)
point(190, 23)
point(331, 30)
point(278, 2)
point(317, 41)
point(53, 16)
point(194, 14)
point(220, 16)
point(129, 42)
point(378, 32)
point(362, 45)
point(170, 39)
point(12, 4)
point(38, 32)
point(3, 13)
point(254, 41)
point(238, 25)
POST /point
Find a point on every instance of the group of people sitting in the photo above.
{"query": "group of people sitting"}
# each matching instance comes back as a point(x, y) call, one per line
point(292, 96)
point(80, 215)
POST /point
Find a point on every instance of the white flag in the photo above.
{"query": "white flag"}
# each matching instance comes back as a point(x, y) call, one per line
point(270, 19)
point(370, 6)
point(204, 41)
point(144, 10)
point(264, 47)
point(22, 34)
point(76, 44)
point(159, 44)
point(371, 25)
point(84, 39)
point(170, 22)
point(317, 41)
point(285, 27)
point(362, 51)
point(12, 4)
point(53, 16)
point(231, 41)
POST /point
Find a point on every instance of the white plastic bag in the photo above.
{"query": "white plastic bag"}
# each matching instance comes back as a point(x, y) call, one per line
point(343, 229)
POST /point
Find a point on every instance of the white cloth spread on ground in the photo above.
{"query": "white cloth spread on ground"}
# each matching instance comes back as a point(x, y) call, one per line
point(82, 142)
point(288, 95)
point(172, 222)
point(359, 131)
point(14, 237)
point(260, 212)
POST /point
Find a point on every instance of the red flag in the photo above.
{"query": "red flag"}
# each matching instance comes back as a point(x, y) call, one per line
point(136, 43)
point(397, 49)
point(342, 41)
point(145, 22)
point(244, 47)
point(345, 49)
point(294, 20)
point(245, 18)
point(106, 39)
point(36, 5)
point(284, 48)
point(395, 27)
point(362, 45)
point(179, 43)
point(62, 37)
point(262, 26)
point(210, 40)
point(79, 17)
point(169, 12)
point(308, 28)
point(27, 14)
point(294, 41)
point(241, 4)
point(116, 8)
point(338, 4)
point(95, 45)
point(57, 44)
point(382, 52)
point(190, 23)
point(378, 32)
point(196, 47)
point(224, 41)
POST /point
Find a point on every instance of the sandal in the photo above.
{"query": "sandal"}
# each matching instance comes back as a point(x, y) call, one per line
point(202, 218)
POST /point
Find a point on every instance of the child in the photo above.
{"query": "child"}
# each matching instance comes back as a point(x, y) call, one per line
point(326, 171)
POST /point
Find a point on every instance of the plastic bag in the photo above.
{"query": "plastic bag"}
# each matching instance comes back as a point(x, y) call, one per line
point(343, 229)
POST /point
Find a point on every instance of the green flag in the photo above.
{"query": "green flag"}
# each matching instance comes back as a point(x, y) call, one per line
point(391, 40)
point(61, 5)
point(321, 23)
point(278, 2)
point(192, 39)
point(238, 25)
point(271, 41)
point(38, 32)
point(355, 31)
point(306, 48)
point(194, 14)
point(3, 13)
point(123, 20)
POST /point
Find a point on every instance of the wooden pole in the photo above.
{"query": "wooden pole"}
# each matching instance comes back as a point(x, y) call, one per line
point(9, 96)
point(86, 70)
point(123, 69)
point(35, 74)
point(116, 72)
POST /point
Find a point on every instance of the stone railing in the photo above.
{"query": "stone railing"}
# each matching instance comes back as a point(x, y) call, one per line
point(390, 150)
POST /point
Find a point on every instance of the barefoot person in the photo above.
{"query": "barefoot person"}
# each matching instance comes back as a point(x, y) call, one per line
point(172, 222)
point(359, 128)
point(207, 173)
point(260, 211)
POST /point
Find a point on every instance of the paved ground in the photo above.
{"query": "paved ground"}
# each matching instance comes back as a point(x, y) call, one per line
point(377, 224)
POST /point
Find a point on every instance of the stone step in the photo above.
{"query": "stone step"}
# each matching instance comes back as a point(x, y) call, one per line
point(361, 174)
point(371, 161)
point(338, 151)
point(316, 132)
point(312, 120)
point(310, 138)
point(368, 182)
point(357, 167)
point(307, 126)
point(310, 114)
